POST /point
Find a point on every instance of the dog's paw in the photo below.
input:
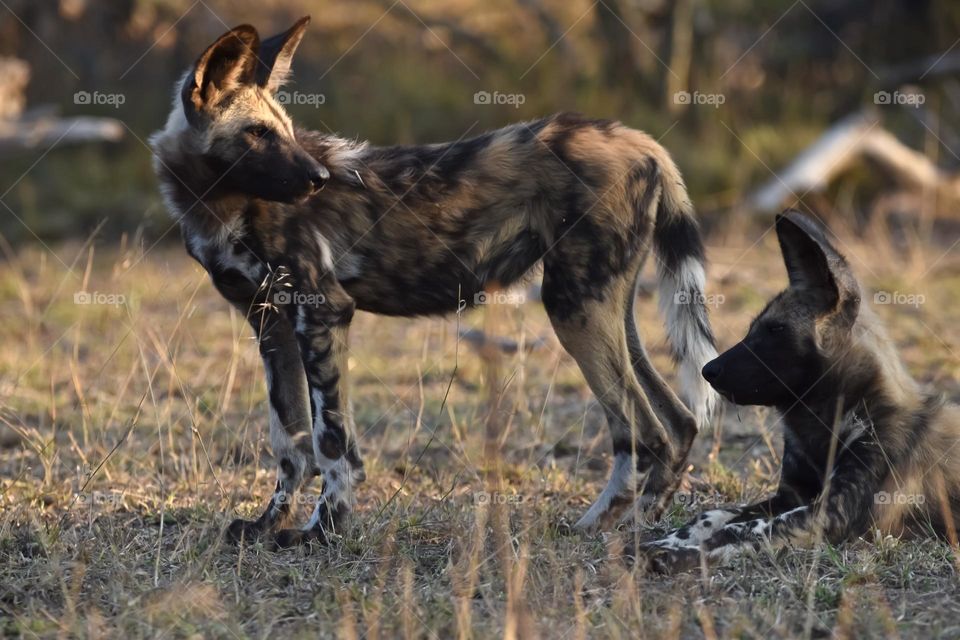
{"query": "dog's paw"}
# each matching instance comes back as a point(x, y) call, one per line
point(243, 530)
point(287, 538)
point(666, 560)
point(327, 525)
point(332, 520)
point(563, 528)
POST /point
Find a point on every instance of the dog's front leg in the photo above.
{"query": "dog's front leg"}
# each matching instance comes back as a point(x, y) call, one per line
point(287, 388)
point(322, 321)
point(680, 548)
point(839, 513)
point(707, 524)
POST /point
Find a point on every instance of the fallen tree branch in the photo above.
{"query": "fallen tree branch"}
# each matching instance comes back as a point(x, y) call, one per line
point(43, 133)
point(850, 139)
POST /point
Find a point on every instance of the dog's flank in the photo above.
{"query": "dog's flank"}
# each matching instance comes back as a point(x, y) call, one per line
point(299, 229)
point(864, 445)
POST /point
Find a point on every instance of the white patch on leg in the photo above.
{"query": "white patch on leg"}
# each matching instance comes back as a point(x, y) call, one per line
point(337, 489)
point(281, 444)
point(754, 533)
point(315, 516)
point(301, 323)
point(623, 479)
point(709, 522)
point(698, 530)
point(317, 397)
point(760, 528)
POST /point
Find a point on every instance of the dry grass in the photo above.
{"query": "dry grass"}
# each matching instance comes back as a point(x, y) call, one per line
point(133, 433)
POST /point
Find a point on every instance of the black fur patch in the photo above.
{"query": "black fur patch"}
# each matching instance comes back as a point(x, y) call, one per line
point(333, 443)
point(527, 132)
point(287, 467)
point(677, 238)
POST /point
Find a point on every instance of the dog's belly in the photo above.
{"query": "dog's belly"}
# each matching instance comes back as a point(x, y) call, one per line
point(413, 282)
point(428, 296)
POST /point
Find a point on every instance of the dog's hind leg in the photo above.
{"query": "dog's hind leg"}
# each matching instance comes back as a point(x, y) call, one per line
point(591, 328)
point(673, 414)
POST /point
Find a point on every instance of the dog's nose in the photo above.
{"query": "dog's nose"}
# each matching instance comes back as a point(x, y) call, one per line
point(712, 370)
point(318, 177)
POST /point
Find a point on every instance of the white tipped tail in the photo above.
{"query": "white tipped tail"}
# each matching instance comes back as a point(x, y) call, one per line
point(680, 270)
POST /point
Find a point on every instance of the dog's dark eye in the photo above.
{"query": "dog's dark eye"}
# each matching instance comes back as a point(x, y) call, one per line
point(776, 328)
point(258, 130)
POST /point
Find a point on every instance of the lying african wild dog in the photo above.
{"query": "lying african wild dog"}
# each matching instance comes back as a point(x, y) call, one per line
point(864, 445)
point(299, 229)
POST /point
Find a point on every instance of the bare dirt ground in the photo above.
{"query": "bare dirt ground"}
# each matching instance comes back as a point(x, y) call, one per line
point(134, 428)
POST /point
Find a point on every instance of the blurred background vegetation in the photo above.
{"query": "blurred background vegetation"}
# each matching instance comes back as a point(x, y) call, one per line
point(132, 430)
point(407, 70)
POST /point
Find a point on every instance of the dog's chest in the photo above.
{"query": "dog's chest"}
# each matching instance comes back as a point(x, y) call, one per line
point(228, 248)
point(234, 247)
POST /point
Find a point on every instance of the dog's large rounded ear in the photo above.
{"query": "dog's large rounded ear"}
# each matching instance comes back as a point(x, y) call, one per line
point(228, 63)
point(276, 55)
point(815, 266)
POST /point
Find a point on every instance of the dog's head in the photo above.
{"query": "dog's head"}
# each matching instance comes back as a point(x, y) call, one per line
point(232, 119)
point(789, 345)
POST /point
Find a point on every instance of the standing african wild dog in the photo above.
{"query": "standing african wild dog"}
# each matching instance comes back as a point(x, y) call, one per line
point(864, 445)
point(298, 229)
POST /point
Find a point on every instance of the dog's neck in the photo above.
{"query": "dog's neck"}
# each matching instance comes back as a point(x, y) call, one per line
point(861, 388)
point(193, 194)
point(817, 414)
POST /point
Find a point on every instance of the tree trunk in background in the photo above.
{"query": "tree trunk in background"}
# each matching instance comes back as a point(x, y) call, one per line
point(619, 68)
point(14, 75)
point(681, 53)
point(555, 34)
